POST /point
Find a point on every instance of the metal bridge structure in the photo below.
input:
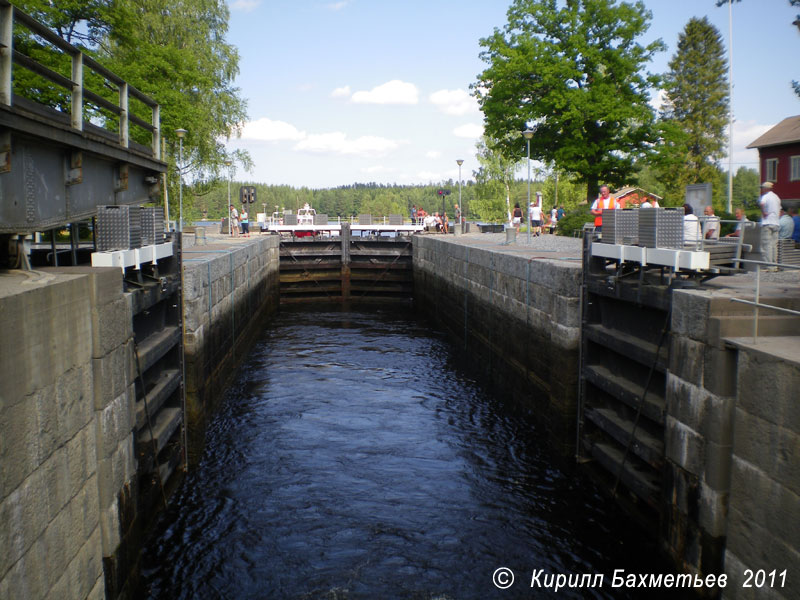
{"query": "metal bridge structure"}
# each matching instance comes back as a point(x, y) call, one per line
point(58, 162)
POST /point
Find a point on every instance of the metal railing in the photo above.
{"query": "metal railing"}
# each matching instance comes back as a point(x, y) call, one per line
point(80, 95)
point(756, 303)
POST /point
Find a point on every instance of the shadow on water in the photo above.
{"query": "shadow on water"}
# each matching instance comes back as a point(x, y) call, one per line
point(353, 458)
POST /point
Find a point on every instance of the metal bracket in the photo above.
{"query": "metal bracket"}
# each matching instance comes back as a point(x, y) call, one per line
point(75, 173)
point(121, 183)
point(5, 151)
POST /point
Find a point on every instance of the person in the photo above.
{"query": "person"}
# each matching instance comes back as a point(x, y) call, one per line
point(551, 222)
point(603, 202)
point(770, 205)
point(785, 226)
point(445, 223)
point(796, 219)
point(561, 212)
point(740, 216)
point(516, 217)
point(458, 215)
point(438, 222)
point(648, 203)
point(245, 221)
point(234, 221)
point(413, 214)
point(554, 215)
point(710, 224)
point(536, 218)
point(691, 226)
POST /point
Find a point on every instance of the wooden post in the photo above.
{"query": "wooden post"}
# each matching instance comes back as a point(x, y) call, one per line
point(345, 238)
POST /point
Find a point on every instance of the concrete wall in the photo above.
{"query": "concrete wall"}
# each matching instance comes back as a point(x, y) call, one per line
point(66, 441)
point(517, 319)
point(698, 437)
point(732, 442)
point(764, 512)
point(228, 291)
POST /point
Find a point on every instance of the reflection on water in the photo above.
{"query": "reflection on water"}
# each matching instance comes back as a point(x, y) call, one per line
point(353, 459)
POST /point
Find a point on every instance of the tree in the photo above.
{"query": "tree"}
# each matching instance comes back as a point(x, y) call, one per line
point(494, 178)
point(746, 183)
point(573, 73)
point(695, 113)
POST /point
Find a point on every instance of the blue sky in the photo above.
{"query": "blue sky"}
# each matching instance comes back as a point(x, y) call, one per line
point(348, 91)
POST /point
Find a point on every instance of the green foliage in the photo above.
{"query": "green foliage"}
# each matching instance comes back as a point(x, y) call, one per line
point(344, 201)
point(573, 73)
point(746, 186)
point(695, 114)
point(172, 50)
point(574, 221)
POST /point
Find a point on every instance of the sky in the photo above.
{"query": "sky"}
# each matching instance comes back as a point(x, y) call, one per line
point(346, 91)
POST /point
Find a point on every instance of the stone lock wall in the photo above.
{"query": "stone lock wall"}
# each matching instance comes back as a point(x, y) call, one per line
point(228, 291)
point(517, 319)
point(732, 486)
point(66, 443)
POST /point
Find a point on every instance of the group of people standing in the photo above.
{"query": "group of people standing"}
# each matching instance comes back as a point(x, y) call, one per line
point(238, 219)
point(776, 223)
point(538, 222)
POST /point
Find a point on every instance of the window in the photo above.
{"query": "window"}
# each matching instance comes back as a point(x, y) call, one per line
point(794, 170)
point(772, 169)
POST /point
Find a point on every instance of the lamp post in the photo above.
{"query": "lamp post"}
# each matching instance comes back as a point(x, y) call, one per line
point(528, 134)
point(230, 175)
point(180, 133)
point(462, 216)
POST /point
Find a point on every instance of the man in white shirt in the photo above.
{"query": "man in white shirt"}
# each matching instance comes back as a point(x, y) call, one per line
point(710, 224)
point(536, 218)
point(770, 210)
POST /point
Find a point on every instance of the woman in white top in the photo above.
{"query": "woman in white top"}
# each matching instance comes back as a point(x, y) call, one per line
point(691, 226)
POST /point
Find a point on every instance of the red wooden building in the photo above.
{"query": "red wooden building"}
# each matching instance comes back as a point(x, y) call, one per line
point(779, 159)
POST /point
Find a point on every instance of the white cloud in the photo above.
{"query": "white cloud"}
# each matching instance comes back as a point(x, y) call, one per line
point(433, 154)
point(378, 169)
point(468, 130)
point(432, 176)
point(271, 131)
point(454, 102)
point(341, 92)
point(744, 133)
point(338, 143)
point(337, 5)
point(245, 5)
point(391, 92)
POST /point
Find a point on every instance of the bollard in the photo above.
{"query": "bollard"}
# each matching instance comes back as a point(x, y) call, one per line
point(200, 236)
point(511, 235)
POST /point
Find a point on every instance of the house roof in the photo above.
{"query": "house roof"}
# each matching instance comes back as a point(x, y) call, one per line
point(785, 132)
point(622, 192)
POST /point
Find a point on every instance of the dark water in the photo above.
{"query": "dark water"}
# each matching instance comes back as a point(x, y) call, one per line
point(355, 459)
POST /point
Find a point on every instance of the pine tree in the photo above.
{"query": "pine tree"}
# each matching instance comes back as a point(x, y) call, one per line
point(695, 114)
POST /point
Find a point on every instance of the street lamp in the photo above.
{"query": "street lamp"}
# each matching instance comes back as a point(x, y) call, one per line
point(180, 133)
point(528, 134)
point(230, 175)
point(462, 214)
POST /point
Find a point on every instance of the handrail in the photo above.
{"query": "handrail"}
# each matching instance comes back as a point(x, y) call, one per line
point(9, 14)
point(756, 304)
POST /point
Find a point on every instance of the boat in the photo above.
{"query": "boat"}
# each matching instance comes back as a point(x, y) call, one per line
point(305, 216)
